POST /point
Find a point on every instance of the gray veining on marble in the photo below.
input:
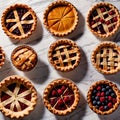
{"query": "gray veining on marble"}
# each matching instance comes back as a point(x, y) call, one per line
point(84, 75)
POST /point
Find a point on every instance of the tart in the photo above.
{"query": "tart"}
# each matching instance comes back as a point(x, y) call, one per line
point(2, 57)
point(19, 21)
point(103, 19)
point(24, 58)
point(18, 96)
point(61, 18)
point(61, 97)
point(103, 97)
point(106, 57)
point(64, 55)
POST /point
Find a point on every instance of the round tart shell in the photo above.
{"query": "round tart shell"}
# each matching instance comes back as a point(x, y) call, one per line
point(11, 35)
point(117, 14)
point(64, 42)
point(18, 79)
point(19, 48)
point(57, 82)
point(54, 5)
point(105, 44)
point(2, 61)
point(89, 94)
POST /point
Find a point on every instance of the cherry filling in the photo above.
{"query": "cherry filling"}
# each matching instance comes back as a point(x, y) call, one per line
point(107, 19)
point(5, 97)
point(103, 97)
point(61, 97)
point(20, 13)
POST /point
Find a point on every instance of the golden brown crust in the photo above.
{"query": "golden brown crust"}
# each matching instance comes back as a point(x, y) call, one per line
point(30, 59)
point(68, 83)
point(74, 49)
point(26, 83)
point(114, 87)
point(109, 34)
point(13, 36)
point(72, 25)
point(95, 54)
point(2, 57)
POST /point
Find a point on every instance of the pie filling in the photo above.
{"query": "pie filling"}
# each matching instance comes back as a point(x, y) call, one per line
point(107, 58)
point(15, 97)
point(103, 19)
point(61, 18)
point(61, 97)
point(64, 55)
point(103, 97)
point(19, 21)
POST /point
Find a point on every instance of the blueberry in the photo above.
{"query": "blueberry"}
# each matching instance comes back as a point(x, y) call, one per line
point(107, 93)
point(110, 90)
point(98, 103)
point(103, 103)
point(93, 97)
point(107, 87)
point(97, 106)
point(113, 95)
point(106, 97)
point(106, 107)
point(103, 89)
point(94, 91)
point(96, 98)
point(94, 102)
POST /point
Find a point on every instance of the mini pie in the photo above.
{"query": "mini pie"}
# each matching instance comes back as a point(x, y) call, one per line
point(103, 97)
point(106, 57)
point(2, 57)
point(64, 55)
point(19, 21)
point(18, 96)
point(103, 19)
point(61, 97)
point(24, 58)
point(61, 18)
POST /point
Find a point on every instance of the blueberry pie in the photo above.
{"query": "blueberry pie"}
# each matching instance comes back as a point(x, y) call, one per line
point(103, 19)
point(103, 97)
point(19, 21)
point(106, 57)
point(18, 96)
point(64, 55)
point(2, 57)
point(24, 58)
point(61, 96)
point(61, 18)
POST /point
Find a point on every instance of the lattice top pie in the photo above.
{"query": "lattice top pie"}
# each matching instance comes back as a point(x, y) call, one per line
point(2, 57)
point(103, 97)
point(61, 96)
point(17, 96)
point(106, 57)
point(18, 21)
point(24, 58)
point(64, 55)
point(61, 18)
point(103, 19)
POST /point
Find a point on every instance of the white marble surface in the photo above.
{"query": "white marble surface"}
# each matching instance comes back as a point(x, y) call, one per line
point(84, 75)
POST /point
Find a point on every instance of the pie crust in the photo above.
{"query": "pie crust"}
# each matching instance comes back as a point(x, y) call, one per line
point(24, 58)
point(106, 57)
point(64, 55)
point(69, 85)
point(115, 104)
point(19, 21)
point(103, 19)
point(2, 57)
point(61, 18)
point(18, 96)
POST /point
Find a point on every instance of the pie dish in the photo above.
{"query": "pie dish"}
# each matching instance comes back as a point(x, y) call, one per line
point(64, 55)
point(103, 19)
point(103, 97)
point(18, 96)
point(2, 57)
point(24, 58)
point(61, 97)
point(106, 57)
point(61, 18)
point(19, 21)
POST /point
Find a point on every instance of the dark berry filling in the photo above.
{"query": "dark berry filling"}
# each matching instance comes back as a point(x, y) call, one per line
point(20, 12)
point(61, 97)
point(101, 23)
point(103, 97)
